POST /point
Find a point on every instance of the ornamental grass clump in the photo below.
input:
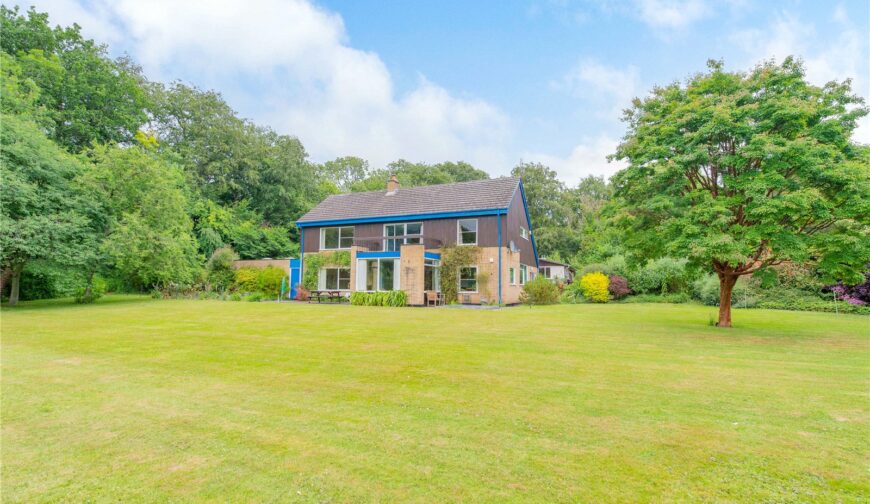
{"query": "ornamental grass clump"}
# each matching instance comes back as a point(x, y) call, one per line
point(595, 287)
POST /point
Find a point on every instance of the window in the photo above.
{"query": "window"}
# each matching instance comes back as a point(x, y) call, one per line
point(387, 270)
point(336, 238)
point(523, 274)
point(524, 233)
point(432, 275)
point(336, 278)
point(468, 279)
point(545, 271)
point(402, 230)
point(467, 230)
point(371, 275)
point(374, 275)
point(512, 274)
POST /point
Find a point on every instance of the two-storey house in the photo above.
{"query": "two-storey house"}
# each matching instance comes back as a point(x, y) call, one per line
point(394, 239)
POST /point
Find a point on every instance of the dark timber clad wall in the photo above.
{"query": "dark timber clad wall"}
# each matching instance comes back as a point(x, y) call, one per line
point(439, 229)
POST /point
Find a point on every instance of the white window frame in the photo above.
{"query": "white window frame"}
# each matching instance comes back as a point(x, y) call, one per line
point(524, 233)
point(512, 275)
point(322, 278)
point(459, 231)
point(545, 270)
point(524, 274)
point(476, 281)
point(362, 278)
point(404, 232)
point(323, 237)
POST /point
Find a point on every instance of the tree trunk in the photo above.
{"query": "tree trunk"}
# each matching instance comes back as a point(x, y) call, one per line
point(15, 281)
point(89, 286)
point(726, 287)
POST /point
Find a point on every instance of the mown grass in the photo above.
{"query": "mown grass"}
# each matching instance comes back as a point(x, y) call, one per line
point(141, 400)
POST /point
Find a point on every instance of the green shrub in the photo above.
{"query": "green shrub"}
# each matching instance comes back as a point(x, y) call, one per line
point(540, 291)
point(235, 296)
point(614, 265)
point(219, 269)
point(98, 288)
point(595, 287)
point(388, 298)
point(269, 280)
point(246, 280)
point(795, 299)
point(257, 296)
point(678, 298)
point(660, 276)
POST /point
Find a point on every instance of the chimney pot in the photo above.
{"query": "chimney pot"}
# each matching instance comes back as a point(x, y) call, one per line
point(393, 184)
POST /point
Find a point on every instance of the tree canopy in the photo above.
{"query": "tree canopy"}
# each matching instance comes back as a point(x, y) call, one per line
point(738, 172)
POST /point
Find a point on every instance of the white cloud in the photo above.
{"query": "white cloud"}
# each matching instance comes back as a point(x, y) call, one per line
point(610, 88)
point(589, 157)
point(672, 14)
point(843, 57)
point(289, 63)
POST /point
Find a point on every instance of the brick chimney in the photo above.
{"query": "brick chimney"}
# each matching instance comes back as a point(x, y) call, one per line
point(393, 184)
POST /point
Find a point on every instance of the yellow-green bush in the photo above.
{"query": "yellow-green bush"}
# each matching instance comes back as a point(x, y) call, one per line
point(245, 279)
point(595, 287)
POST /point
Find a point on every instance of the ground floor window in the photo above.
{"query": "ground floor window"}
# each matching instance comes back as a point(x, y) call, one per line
point(512, 275)
point(468, 279)
point(524, 274)
point(545, 271)
point(431, 277)
point(335, 279)
point(377, 274)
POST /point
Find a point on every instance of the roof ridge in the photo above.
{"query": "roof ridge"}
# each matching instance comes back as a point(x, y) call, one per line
point(433, 185)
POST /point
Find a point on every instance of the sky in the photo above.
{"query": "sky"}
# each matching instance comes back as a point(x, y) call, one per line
point(491, 83)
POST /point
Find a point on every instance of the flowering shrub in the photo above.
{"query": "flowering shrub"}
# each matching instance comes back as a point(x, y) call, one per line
point(857, 295)
point(595, 287)
point(618, 288)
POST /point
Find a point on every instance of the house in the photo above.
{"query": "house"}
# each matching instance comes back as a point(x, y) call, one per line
point(555, 270)
point(394, 239)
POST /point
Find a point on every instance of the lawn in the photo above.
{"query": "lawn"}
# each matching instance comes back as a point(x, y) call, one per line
point(140, 400)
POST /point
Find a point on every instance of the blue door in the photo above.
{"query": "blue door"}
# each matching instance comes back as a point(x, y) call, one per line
point(294, 277)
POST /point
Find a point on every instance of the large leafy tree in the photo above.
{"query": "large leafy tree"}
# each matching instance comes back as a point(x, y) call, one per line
point(741, 171)
point(230, 160)
point(42, 215)
point(141, 219)
point(89, 97)
point(553, 218)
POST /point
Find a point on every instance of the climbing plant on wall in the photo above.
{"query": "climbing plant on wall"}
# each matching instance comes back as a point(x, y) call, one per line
point(452, 259)
point(315, 261)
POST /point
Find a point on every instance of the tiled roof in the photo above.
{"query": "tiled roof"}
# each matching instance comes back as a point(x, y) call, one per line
point(458, 197)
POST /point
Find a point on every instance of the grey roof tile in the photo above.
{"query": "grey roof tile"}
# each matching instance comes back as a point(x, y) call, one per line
point(458, 197)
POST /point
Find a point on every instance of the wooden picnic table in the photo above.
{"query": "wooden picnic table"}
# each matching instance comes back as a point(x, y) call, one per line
point(327, 295)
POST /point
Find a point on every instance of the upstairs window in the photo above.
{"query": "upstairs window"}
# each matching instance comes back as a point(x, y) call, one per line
point(411, 231)
point(467, 230)
point(524, 233)
point(336, 238)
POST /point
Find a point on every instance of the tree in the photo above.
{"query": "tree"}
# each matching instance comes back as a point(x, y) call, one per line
point(553, 219)
point(42, 215)
point(90, 97)
point(142, 221)
point(419, 174)
point(344, 172)
point(738, 172)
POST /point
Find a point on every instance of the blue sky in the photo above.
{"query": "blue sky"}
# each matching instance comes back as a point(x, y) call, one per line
point(487, 82)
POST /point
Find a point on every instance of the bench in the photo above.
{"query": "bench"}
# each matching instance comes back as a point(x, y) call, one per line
point(329, 296)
